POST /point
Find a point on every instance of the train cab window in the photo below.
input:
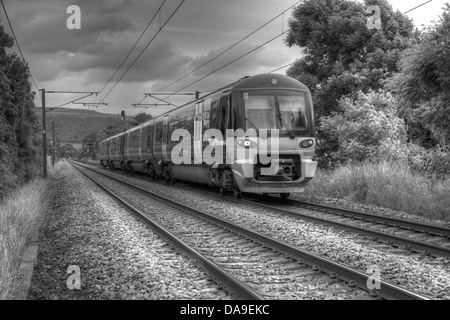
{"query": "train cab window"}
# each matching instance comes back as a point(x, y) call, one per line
point(293, 111)
point(260, 112)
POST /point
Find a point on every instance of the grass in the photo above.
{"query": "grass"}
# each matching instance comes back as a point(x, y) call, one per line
point(388, 185)
point(19, 214)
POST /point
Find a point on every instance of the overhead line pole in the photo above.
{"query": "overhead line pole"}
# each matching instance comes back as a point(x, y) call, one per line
point(44, 126)
point(44, 137)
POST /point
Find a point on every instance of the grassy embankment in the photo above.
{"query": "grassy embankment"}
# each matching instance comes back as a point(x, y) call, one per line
point(388, 185)
point(19, 213)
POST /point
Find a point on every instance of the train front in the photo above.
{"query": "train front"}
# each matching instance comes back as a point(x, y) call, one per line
point(279, 157)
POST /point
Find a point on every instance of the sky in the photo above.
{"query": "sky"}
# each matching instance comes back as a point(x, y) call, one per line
point(62, 59)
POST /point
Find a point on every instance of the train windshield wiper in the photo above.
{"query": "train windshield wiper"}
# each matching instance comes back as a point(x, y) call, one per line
point(252, 124)
point(291, 134)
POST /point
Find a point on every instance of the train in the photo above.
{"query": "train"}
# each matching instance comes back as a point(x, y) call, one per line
point(256, 135)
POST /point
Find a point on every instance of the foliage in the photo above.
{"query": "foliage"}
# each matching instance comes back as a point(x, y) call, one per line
point(19, 127)
point(142, 117)
point(20, 212)
point(366, 128)
point(91, 141)
point(68, 151)
point(341, 55)
point(423, 86)
point(386, 184)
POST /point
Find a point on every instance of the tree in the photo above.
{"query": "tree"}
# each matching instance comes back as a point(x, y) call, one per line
point(18, 123)
point(423, 85)
point(367, 128)
point(341, 55)
point(142, 117)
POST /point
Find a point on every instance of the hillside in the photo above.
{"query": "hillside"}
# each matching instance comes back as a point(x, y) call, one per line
point(72, 125)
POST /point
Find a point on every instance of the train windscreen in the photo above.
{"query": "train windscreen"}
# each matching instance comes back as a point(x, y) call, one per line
point(286, 111)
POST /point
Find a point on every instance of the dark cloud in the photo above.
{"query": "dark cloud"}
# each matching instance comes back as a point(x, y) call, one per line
point(60, 58)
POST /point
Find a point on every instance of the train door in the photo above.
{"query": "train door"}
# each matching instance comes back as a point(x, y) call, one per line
point(164, 139)
point(198, 133)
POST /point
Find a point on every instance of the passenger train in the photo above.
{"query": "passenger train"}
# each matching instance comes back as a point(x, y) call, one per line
point(276, 108)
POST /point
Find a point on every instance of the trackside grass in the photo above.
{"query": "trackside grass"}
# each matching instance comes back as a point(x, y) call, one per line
point(386, 184)
point(19, 213)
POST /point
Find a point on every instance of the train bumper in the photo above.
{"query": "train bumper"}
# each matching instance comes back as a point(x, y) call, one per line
point(244, 177)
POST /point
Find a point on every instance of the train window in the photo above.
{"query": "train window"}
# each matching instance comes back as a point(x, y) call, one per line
point(293, 111)
point(222, 114)
point(206, 114)
point(260, 112)
point(150, 136)
point(158, 133)
point(171, 130)
point(214, 114)
point(190, 125)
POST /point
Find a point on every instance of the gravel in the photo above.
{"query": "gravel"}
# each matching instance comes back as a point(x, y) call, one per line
point(415, 272)
point(367, 208)
point(244, 262)
point(118, 256)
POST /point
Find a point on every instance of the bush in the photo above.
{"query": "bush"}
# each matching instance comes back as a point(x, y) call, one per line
point(367, 129)
point(386, 184)
point(18, 215)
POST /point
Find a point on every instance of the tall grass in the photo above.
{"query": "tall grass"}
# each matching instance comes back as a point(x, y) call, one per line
point(386, 184)
point(19, 214)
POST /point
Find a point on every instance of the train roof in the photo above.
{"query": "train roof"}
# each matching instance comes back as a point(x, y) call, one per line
point(265, 80)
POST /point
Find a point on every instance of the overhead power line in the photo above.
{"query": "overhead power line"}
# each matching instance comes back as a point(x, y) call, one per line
point(417, 7)
point(216, 70)
point(18, 46)
point(229, 48)
point(145, 48)
point(135, 44)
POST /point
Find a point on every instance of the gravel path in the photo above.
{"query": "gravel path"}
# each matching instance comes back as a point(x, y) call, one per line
point(118, 256)
point(423, 277)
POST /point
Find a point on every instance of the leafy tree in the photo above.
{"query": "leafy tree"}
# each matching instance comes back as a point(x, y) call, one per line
point(142, 117)
point(423, 85)
point(366, 128)
point(341, 55)
point(18, 123)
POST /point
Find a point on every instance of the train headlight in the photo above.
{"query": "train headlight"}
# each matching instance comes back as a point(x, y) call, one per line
point(246, 143)
point(306, 143)
point(274, 81)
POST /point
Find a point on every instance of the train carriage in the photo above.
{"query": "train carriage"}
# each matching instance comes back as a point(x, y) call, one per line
point(276, 108)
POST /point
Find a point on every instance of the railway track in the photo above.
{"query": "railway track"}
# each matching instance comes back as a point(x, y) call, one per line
point(231, 253)
point(391, 234)
point(394, 235)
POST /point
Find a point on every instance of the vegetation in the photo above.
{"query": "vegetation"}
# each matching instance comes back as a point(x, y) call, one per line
point(385, 184)
point(90, 142)
point(19, 142)
point(382, 99)
point(19, 214)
